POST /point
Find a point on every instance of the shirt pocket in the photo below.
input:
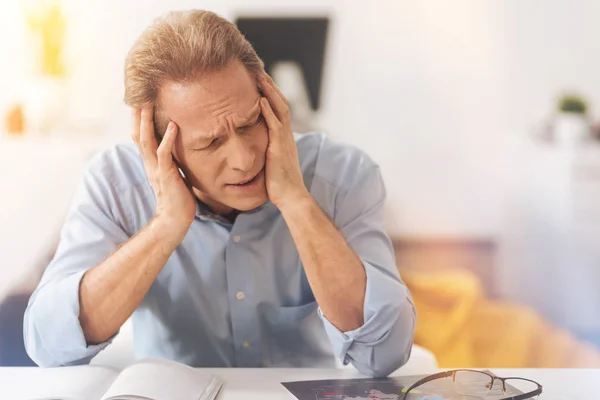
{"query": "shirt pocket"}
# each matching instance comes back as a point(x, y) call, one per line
point(281, 319)
point(295, 337)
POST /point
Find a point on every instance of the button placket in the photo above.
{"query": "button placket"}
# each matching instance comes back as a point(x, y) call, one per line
point(244, 322)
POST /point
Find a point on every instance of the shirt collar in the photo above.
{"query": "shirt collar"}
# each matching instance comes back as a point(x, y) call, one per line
point(205, 214)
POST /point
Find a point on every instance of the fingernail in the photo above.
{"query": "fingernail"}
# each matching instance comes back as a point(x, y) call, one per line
point(170, 126)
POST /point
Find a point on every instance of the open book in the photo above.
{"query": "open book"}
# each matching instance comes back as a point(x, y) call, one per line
point(149, 379)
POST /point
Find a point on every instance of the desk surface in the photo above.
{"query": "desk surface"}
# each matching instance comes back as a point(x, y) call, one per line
point(254, 384)
point(264, 384)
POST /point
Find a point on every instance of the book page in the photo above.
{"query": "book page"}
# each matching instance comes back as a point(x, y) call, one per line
point(158, 379)
point(68, 383)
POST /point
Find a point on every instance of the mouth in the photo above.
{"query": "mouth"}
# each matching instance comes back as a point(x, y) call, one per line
point(249, 182)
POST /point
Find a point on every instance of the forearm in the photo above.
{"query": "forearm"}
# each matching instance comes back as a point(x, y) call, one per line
point(111, 291)
point(335, 273)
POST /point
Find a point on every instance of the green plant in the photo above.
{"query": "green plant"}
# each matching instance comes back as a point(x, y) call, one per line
point(573, 104)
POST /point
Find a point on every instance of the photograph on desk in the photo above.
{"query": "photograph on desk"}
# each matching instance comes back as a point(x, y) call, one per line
point(364, 191)
point(462, 385)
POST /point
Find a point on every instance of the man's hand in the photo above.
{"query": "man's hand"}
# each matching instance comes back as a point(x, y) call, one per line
point(112, 290)
point(175, 203)
point(335, 273)
point(283, 175)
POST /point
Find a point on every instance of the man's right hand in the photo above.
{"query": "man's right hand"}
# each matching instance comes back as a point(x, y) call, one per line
point(175, 203)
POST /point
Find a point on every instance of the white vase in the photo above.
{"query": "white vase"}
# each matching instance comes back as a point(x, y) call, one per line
point(570, 129)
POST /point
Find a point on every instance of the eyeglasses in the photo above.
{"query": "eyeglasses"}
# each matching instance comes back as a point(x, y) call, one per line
point(468, 382)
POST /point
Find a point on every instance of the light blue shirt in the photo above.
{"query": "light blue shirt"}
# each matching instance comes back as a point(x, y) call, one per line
point(231, 295)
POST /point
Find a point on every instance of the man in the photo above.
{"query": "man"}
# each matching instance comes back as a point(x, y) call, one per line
point(228, 240)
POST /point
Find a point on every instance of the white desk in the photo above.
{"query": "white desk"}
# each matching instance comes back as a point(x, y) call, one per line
point(264, 384)
point(255, 384)
point(561, 384)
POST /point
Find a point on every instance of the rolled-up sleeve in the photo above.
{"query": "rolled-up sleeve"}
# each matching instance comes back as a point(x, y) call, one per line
point(384, 342)
point(52, 332)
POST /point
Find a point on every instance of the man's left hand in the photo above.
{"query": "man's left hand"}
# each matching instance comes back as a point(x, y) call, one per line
point(282, 171)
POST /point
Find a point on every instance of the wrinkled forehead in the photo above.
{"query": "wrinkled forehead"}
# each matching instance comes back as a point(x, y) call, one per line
point(199, 107)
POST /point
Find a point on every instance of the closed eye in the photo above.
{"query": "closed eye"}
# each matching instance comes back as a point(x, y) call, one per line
point(212, 143)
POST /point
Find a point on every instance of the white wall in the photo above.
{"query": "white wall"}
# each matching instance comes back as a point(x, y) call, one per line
point(431, 89)
point(12, 53)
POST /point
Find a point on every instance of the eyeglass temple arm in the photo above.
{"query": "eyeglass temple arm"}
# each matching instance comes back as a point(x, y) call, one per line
point(427, 379)
point(525, 396)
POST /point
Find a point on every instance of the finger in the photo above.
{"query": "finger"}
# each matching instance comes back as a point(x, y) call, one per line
point(273, 122)
point(267, 81)
point(274, 85)
point(165, 150)
point(278, 105)
point(136, 116)
point(147, 139)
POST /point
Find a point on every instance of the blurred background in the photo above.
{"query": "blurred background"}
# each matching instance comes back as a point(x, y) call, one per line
point(482, 114)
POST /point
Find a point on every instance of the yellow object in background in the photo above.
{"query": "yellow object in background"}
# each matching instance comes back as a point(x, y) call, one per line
point(464, 329)
point(46, 22)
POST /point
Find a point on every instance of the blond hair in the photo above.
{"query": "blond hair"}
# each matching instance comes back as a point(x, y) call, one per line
point(180, 47)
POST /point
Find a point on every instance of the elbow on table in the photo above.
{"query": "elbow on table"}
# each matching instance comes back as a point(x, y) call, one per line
point(383, 369)
point(33, 343)
point(53, 354)
point(394, 350)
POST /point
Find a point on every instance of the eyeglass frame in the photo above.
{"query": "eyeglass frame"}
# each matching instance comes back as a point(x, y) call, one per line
point(493, 378)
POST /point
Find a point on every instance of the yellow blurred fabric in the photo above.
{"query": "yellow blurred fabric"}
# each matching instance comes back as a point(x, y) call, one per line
point(465, 329)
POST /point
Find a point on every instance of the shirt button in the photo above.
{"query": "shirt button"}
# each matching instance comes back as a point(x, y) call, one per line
point(240, 295)
point(236, 238)
point(246, 344)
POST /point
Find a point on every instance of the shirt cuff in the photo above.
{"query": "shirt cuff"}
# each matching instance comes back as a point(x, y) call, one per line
point(57, 338)
point(381, 312)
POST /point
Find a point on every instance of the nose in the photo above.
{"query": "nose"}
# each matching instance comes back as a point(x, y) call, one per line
point(241, 157)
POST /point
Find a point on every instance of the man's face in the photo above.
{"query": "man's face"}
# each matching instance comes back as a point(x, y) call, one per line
point(222, 139)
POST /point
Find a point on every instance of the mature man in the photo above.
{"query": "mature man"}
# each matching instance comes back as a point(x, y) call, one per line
point(229, 241)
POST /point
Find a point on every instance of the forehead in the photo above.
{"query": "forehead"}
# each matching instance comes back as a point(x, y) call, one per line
point(199, 107)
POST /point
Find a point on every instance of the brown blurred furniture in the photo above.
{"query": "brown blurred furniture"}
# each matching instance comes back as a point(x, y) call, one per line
point(476, 256)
